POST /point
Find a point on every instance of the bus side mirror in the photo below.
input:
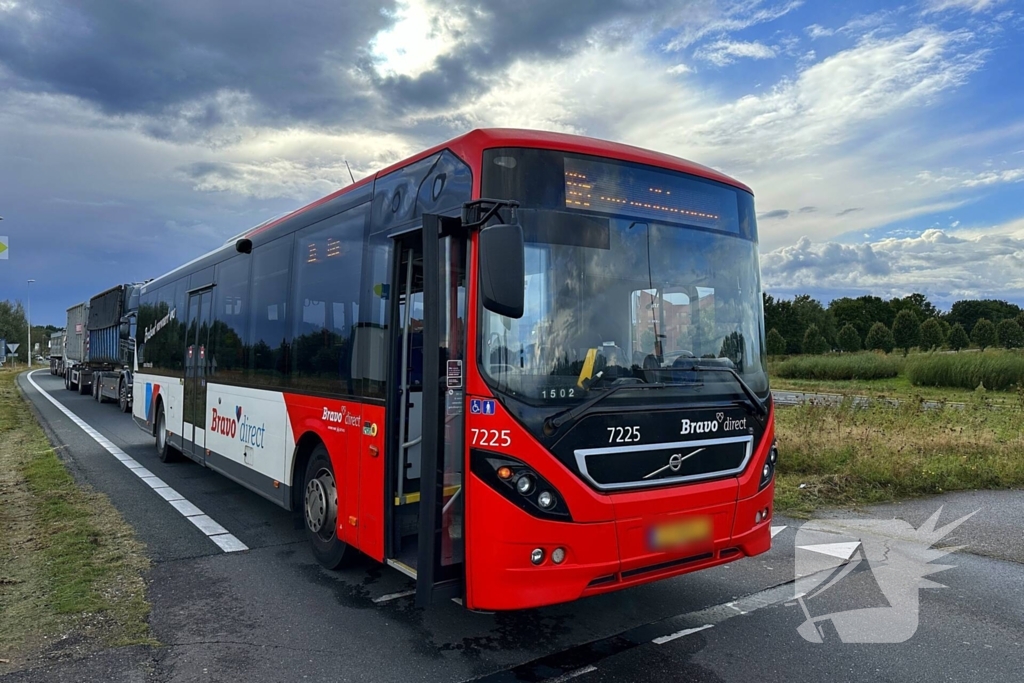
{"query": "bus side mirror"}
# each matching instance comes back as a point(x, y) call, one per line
point(502, 269)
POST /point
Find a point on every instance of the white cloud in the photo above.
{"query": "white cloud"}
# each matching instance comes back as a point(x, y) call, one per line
point(705, 18)
point(422, 32)
point(972, 6)
point(945, 267)
point(679, 69)
point(725, 52)
point(1013, 175)
point(816, 31)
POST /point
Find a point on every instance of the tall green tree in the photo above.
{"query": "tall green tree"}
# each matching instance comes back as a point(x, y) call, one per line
point(14, 327)
point(814, 342)
point(861, 312)
point(970, 311)
point(775, 343)
point(1020, 319)
point(880, 338)
point(1010, 334)
point(958, 338)
point(984, 334)
point(792, 318)
point(906, 330)
point(931, 334)
point(848, 339)
point(917, 304)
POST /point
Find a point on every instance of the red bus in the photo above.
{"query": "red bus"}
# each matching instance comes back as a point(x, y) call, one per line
point(520, 367)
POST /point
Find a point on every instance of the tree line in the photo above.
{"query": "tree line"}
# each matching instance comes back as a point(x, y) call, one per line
point(14, 329)
point(804, 325)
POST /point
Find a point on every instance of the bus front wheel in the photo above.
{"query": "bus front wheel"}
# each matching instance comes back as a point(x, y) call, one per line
point(320, 510)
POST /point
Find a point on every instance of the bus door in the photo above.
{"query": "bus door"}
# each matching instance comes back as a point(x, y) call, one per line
point(197, 363)
point(426, 533)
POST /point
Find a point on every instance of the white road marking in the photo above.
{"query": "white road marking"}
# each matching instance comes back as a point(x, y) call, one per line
point(394, 596)
point(776, 530)
point(712, 616)
point(215, 532)
point(844, 551)
point(679, 634)
point(573, 674)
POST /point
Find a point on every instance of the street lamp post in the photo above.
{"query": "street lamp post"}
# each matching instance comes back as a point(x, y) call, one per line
point(29, 351)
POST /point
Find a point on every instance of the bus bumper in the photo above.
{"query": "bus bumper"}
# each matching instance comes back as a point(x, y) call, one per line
point(600, 557)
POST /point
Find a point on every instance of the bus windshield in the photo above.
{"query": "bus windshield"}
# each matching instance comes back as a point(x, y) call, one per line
point(633, 295)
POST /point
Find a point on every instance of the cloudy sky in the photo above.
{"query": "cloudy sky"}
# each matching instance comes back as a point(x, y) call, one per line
point(884, 141)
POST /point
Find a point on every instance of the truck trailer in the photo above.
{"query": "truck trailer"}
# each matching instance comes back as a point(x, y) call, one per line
point(108, 337)
point(57, 352)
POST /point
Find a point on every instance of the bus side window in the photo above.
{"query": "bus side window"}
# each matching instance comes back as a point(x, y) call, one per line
point(269, 331)
point(325, 295)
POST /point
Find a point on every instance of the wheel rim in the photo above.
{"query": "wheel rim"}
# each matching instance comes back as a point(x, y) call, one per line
point(322, 504)
point(161, 433)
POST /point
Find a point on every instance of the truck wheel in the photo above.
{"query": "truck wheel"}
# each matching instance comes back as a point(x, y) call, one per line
point(320, 510)
point(83, 388)
point(67, 381)
point(164, 450)
point(122, 397)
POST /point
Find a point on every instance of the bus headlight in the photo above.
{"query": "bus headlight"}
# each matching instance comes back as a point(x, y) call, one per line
point(519, 484)
point(537, 555)
point(768, 471)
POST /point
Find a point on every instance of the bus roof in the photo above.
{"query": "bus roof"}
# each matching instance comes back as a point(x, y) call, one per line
point(470, 147)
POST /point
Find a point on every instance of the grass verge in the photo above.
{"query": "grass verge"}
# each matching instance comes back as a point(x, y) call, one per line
point(843, 456)
point(70, 566)
point(993, 369)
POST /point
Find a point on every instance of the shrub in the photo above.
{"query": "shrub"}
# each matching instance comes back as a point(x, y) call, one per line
point(775, 342)
point(844, 367)
point(849, 340)
point(999, 370)
point(906, 331)
point(984, 334)
point(880, 338)
point(931, 335)
point(814, 343)
point(1010, 334)
point(958, 338)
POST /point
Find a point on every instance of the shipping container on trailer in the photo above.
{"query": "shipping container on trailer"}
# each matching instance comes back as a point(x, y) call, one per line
point(108, 347)
point(57, 352)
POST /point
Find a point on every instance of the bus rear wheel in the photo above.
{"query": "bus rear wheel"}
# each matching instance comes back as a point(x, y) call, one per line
point(320, 510)
point(164, 450)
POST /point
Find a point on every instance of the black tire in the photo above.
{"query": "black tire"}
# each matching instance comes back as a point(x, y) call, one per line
point(83, 388)
point(97, 389)
point(164, 450)
point(320, 510)
point(67, 380)
point(122, 397)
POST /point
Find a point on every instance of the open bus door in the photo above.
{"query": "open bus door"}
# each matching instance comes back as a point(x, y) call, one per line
point(425, 535)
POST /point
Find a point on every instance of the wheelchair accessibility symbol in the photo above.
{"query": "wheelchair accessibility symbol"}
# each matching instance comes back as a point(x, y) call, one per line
point(479, 406)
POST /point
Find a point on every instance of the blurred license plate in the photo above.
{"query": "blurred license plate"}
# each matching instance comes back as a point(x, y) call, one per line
point(692, 531)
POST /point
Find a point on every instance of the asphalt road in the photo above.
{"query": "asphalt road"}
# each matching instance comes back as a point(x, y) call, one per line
point(271, 613)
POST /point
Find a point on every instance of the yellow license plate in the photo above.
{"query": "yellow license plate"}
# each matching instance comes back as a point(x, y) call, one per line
point(675, 534)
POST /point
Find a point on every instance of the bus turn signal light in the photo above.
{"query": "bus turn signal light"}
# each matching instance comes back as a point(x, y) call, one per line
point(504, 473)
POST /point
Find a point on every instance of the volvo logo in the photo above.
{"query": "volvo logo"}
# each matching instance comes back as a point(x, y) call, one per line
point(675, 463)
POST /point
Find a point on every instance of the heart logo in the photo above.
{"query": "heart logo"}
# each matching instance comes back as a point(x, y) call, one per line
point(719, 416)
point(238, 413)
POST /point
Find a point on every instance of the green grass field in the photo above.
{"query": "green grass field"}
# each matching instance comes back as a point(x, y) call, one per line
point(850, 456)
point(70, 567)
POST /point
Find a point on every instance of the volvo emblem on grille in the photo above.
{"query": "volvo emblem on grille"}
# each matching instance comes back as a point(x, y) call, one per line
point(675, 463)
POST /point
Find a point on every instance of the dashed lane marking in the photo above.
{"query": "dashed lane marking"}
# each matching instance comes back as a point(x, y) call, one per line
point(211, 529)
point(679, 634)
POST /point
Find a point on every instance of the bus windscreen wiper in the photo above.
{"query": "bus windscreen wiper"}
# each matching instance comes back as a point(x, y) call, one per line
point(752, 401)
point(552, 423)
